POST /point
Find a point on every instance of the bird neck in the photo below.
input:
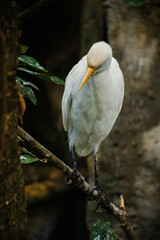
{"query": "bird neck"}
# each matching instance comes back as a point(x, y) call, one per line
point(106, 65)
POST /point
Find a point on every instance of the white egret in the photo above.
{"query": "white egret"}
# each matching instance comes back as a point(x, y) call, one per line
point(92, 100)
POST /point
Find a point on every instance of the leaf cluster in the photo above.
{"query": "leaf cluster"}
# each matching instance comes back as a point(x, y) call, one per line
point(28, 67)
point(31, 67)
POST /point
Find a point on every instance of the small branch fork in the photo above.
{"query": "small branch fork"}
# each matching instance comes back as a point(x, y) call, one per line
point(119, 213)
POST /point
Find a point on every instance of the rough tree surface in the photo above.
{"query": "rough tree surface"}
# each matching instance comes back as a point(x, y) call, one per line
point(12, 203)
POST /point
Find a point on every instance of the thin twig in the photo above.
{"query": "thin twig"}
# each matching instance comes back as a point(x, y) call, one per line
point(120, 214)
point(29, 12)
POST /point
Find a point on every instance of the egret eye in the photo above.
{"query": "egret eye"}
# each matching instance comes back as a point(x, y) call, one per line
point(95, 67)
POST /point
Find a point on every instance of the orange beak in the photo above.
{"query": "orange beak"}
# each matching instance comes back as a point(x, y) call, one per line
point(89, 72)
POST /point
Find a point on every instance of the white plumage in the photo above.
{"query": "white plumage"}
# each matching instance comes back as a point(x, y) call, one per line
point(89, 112)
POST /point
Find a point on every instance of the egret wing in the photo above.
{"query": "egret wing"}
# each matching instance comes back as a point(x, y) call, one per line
point(72, 85)
point(66, 107)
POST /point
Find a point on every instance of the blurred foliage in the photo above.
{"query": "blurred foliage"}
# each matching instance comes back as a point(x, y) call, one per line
point(136, 3)
point(31, 66)
point(24, 49)
point(103, 231)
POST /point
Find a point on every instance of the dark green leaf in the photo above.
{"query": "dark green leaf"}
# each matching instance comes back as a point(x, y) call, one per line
point(26, 91)
point(103, 231)
point(29, 61)
point(136, 2)
point(24, 49)
point(19, 80)
point(26, 159)
point(42, 76)
point(22, 81)
point(27, 83)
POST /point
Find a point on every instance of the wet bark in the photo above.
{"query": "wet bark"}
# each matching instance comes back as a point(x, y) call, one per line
point(12, 202)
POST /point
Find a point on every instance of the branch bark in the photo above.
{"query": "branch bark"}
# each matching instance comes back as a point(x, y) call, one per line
point(120, 214)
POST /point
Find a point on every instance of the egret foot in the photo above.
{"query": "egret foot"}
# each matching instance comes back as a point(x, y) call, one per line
point(75, 179)
point(90, 193)
point(97, 197)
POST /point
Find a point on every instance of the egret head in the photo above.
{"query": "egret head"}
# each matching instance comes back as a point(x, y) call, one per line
point(98, 59)
point(98, 55)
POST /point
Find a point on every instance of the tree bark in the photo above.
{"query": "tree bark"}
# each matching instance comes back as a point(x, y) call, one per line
point(12, 202)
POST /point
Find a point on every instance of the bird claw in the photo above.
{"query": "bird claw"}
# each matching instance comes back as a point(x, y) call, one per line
point(90, 196)
point(75, 179)
point(97, 205)
point(97, 197)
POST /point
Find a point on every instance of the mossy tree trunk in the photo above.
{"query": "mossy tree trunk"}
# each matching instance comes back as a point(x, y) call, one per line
point(12, 201)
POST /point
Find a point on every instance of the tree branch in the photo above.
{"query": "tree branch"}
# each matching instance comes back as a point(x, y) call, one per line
point(120, 214)
point(29, 12)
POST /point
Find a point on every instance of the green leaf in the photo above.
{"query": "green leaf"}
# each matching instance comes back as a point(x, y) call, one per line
point(57, 80)
point(42, 76)
point(26, 159)
point(26, 91)
point(22, 81)
point(135, 3)
point(31, 62)
point(28, 83)
point(24, 49)
point(103, 231)
point(19, 80)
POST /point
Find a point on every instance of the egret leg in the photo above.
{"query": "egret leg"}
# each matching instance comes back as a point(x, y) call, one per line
point(74, 159)
point(96, 171)
point(76, 177)
point(97, 185)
